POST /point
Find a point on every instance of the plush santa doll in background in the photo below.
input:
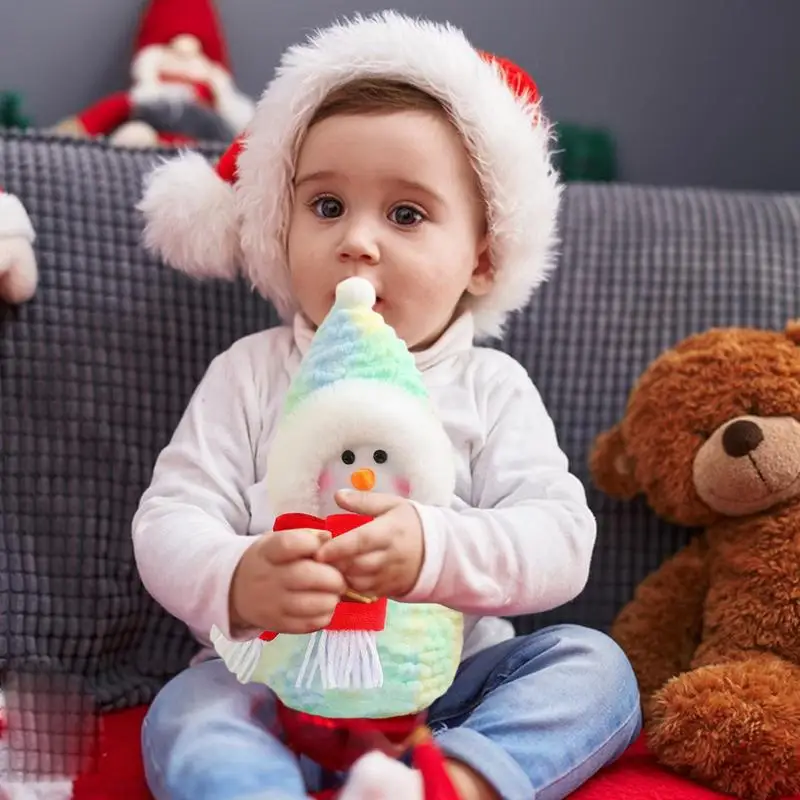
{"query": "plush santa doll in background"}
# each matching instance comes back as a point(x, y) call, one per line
point(182, 88)
point(18, 273)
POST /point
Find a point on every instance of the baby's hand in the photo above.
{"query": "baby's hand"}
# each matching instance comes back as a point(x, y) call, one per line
point(278, 586)
point(382, 558)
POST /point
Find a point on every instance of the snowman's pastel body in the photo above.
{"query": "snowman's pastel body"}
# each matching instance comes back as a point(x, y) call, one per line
point(357, 417)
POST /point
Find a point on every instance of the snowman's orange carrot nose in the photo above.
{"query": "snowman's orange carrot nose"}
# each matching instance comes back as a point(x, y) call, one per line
point(363, 480)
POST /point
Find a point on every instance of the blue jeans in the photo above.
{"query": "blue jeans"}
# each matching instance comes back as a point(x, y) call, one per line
point(537, 716)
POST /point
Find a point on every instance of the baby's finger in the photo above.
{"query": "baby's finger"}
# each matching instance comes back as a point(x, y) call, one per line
point(365, 585)
point(305, 624)
point(311, 576)
point(283, 547)
point(366, 539)
point(368, 564)
point(307, 605)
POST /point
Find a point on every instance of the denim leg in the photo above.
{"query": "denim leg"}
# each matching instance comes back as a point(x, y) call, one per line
point(538, 715)
point(209, 737)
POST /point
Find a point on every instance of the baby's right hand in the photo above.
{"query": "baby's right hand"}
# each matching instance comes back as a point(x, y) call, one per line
point(277, 586)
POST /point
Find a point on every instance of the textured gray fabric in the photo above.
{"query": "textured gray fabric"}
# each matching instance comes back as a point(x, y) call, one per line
point(95, 372)
point(94, 375)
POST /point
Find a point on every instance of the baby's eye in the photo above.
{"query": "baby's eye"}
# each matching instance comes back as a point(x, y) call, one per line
point(406, 216)
point(380, 456)
point(327, 207)
point(349, 457)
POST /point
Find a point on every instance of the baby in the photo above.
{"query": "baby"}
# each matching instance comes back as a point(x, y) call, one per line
point(390, 149)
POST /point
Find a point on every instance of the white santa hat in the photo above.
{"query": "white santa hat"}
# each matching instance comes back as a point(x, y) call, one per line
point(213, 222)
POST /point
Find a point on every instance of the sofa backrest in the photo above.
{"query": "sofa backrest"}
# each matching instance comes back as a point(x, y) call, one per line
point(96, 371)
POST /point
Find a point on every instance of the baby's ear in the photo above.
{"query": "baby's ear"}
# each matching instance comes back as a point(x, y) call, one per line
point(483, 276)
point(611, 467)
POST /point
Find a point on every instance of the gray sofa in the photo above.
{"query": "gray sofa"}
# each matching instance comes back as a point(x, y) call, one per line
point(96, 370)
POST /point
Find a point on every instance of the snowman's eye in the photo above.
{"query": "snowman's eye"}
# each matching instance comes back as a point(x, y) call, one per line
point(349, 457)
point(380, 456)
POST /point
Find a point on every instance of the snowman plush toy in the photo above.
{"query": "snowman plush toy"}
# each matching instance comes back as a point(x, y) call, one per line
point(357, 416)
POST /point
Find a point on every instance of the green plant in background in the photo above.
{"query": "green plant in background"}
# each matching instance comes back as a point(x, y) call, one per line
point(585, 154)
point(11, 114)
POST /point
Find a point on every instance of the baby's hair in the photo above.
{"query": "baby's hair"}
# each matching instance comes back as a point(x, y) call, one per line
point(377, 96)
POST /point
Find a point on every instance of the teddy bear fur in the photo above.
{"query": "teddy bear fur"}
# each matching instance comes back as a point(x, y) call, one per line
point(711, 439)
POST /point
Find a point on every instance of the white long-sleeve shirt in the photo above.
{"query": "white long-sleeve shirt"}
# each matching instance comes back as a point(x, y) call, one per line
point(516, 539)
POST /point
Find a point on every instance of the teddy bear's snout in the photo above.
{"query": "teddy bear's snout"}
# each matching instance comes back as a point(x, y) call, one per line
point(749, 464)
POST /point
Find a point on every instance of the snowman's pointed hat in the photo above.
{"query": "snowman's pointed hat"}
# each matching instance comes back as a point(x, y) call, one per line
point(357, 385)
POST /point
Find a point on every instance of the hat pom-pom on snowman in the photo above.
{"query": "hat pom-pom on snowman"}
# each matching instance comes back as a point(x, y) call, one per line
point(18, 270)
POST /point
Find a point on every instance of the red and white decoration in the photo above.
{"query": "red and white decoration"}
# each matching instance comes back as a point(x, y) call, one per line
point(179, 55)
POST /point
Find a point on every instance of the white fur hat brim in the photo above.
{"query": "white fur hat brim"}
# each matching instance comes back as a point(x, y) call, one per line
point(353, 413)
point(506, 134)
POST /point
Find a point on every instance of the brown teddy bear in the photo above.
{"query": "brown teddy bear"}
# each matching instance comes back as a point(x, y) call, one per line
point(711, 438)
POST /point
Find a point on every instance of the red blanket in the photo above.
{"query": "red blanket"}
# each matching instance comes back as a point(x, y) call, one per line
point(635, 776)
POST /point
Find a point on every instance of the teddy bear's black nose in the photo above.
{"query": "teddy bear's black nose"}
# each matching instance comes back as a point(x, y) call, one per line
point(741, 438)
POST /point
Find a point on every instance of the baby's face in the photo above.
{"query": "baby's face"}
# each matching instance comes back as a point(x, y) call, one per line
point(391, 197)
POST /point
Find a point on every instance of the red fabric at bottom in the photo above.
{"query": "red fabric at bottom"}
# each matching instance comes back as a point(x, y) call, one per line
point(336, 744)
point(119, 772)
point(636, 776)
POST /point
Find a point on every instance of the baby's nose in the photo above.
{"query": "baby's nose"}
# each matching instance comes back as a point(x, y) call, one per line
point(359, 243)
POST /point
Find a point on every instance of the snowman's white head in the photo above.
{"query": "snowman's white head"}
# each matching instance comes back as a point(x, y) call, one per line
point(357, 417)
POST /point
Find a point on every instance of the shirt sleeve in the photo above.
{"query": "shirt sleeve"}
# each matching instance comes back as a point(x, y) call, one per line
point(189, 531)
point(524, 544)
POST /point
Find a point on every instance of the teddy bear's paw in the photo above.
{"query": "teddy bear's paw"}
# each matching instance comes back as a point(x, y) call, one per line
point(734, 727)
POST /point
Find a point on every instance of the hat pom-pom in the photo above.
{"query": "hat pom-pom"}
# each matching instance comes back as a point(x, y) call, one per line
point(355, 292)
point(190, 218)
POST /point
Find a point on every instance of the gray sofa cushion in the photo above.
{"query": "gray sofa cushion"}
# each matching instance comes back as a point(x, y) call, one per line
point(95, 372)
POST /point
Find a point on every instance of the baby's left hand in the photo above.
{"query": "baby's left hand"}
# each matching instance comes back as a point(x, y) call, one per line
point(382, 558)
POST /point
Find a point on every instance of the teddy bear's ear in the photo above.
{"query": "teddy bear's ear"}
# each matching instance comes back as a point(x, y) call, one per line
point(611, 467)
point(792, 331)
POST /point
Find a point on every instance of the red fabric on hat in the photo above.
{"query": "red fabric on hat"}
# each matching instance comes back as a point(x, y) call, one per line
point(163, 20)
point(518, 80)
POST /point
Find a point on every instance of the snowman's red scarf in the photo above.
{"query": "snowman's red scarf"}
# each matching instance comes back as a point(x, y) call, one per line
point(349, 615)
